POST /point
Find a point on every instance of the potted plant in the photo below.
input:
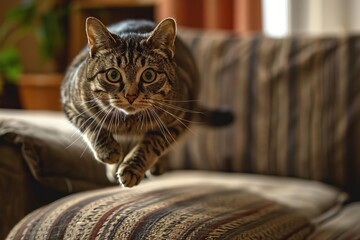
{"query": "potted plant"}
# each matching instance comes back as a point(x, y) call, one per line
point(42, 21)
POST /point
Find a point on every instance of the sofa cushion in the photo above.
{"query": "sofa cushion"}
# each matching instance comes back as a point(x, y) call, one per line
point(344, 225)
point(186, 205)
point(56, 157)
point(296, 103)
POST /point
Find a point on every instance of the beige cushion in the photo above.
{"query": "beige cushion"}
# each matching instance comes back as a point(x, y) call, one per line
point(342, 225)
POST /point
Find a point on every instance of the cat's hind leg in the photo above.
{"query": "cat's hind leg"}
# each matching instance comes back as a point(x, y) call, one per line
point(160, 166)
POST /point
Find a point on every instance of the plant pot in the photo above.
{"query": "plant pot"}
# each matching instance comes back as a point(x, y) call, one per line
point(9, 96)
point(40, 91)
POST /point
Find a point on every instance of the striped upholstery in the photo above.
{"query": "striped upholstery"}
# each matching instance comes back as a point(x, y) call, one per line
point(296, 103)
point(343, 226)
point(297, 107)
point(185, 205)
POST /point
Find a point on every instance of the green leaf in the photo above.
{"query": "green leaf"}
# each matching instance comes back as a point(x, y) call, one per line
point(10, 66)
point(24, 14)
point(51, 33)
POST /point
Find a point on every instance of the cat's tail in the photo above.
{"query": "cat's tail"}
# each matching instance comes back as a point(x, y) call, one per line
point(213, 118)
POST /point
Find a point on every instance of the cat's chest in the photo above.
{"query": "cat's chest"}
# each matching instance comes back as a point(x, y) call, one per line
point(127, 141)
point(125, 138)
point(129, 131)
point(135, 126)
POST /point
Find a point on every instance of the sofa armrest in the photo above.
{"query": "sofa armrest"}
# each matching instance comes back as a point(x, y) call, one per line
point(20, 193)
point(41, 162)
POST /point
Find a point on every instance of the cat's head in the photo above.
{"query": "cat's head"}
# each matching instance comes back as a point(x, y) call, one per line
point(130, 71)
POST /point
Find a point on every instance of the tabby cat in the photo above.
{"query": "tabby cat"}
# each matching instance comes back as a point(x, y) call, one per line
point(132, 94)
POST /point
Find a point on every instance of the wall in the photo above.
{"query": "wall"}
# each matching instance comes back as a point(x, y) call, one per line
point(312, 17)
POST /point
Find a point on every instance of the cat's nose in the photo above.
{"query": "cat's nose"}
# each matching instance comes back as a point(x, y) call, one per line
point(131, 97)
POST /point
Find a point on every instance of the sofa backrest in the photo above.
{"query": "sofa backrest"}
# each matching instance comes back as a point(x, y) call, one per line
point(296, 103)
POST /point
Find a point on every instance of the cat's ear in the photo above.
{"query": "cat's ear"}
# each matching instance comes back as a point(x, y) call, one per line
point(98, 36)
point(163, 36)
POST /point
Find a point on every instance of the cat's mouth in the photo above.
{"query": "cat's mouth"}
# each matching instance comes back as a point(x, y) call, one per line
point(131, 109)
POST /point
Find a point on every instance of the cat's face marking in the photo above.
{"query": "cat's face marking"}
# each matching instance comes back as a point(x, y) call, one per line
point(131, 72)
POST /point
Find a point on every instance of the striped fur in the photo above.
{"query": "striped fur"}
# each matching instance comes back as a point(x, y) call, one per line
point(125, 119)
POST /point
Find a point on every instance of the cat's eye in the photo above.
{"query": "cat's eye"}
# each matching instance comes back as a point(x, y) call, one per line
point(148, 76)
point(113, 75)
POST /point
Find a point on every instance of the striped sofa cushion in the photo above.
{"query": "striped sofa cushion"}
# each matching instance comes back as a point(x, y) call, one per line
point(186, 205)
point(345, 225)
point(296, 103)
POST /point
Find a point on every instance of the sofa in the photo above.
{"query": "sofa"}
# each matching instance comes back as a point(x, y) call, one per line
point(288, 167)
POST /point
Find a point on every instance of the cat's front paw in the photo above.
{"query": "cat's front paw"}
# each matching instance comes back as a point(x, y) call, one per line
point(110, 156)
point(159, 167)
point(130, 173)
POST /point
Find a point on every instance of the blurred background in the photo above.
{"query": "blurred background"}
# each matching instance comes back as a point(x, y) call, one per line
point(39, 38)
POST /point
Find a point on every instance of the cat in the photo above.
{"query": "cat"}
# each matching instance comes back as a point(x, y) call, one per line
point(132, 94)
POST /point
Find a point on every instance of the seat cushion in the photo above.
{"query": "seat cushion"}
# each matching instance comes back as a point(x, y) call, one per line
point(186, 205)
point(344, 225)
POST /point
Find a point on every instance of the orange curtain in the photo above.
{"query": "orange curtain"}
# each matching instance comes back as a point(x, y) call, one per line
point(242, 16)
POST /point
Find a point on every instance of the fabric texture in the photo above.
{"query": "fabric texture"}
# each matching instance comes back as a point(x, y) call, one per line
point(39, 163)
point(296, 103)
point(344, 225)
point(19, 192)
point(185, 205)
point(52, 156)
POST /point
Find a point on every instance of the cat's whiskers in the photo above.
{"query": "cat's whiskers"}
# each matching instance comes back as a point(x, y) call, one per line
point(94, 117)
point(87, 145)
point(164, 106)
point(160, 128)
point(111, 122)
point(85, 130)
point(89, 101)
point(78, 115)
point(177, 108)
point(117, 122)
point(94, 121)
point(150, 119)
point(163, 128)
point(87, 110)
point(177, 101)
point(179, 119)
point(142, 119)
point(77, 139)
point(101, 124)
